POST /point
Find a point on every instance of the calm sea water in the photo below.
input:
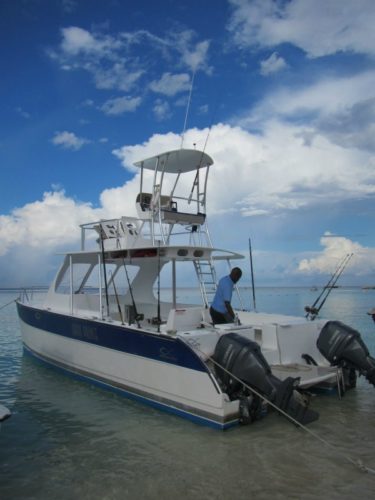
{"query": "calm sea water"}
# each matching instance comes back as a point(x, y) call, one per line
point(68, 440)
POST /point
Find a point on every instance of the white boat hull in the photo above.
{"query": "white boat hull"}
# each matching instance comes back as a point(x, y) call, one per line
point(187, 392)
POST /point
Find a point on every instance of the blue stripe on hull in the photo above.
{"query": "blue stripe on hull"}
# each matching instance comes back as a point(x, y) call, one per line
point(131, 395)
point(119, 338)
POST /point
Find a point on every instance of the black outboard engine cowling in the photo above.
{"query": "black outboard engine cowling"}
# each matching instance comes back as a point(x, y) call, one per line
point(242, 358)
point(342, 346)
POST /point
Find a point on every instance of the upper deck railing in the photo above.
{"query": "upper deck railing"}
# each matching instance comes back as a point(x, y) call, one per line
point(169, 211)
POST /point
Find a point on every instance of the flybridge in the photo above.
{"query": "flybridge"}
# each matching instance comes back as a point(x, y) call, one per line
point(171, 204)
point(171, 201)
point(171, 225)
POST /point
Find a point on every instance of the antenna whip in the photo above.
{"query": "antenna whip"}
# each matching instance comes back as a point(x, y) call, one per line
point(187, 109)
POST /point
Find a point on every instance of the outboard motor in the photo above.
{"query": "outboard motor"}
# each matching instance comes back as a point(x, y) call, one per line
point(344, 347)
point(242, 357)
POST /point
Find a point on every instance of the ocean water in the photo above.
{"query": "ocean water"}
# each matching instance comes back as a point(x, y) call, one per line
point(67, 439)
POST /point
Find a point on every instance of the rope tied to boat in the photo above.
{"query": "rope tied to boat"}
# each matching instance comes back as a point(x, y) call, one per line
point(356, 462)
point(9, 303)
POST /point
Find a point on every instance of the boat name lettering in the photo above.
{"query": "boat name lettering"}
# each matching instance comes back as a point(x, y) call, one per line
point(84, 332)
point(166, 353)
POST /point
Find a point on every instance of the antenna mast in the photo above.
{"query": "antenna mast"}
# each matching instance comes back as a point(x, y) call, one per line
point(187, 109)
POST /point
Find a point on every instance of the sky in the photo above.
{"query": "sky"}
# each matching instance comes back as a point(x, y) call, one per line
point(282, 98)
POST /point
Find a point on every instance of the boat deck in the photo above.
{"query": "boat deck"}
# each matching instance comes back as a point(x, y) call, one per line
point(310, 375)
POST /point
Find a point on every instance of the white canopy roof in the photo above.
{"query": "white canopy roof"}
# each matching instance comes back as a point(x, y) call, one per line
point(177, 161)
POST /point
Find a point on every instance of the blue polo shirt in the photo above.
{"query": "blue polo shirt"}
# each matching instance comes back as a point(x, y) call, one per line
point(223, 294)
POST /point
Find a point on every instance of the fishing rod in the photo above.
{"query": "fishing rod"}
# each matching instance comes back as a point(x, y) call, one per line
point(310, 309)
point(158, 310)
point(333, 278)
point(117, 300)
point(334, 283)
point(313, 311)
point(138, 317)
point(104, 268)
point(252, 274)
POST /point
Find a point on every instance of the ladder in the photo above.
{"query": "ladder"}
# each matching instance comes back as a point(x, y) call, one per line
point(206, 275)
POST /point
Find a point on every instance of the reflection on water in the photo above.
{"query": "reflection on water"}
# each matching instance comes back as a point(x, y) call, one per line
point(67, 439)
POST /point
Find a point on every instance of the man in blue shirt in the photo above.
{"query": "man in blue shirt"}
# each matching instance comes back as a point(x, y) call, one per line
point(221, 310)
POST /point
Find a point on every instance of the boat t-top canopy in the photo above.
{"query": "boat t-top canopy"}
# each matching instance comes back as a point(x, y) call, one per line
point(166, 207)
point(177, 161)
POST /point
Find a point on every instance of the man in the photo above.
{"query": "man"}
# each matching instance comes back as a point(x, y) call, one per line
point(372, 314)
point(221, 310)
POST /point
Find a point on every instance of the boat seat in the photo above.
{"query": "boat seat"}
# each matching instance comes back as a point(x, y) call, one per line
point(174, 217)
point(110, 229)
point(184, 318)
point(144, 200)
point(148, 202)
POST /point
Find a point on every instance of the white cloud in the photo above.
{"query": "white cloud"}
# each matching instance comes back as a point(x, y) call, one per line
point(273, 173)
point(114, 62)
point(162, 110)
point(342, 109)
point(203, 110)
point(120, 105)
point(319, 27)
point(77, 41)
point(103, 56)
point(335, 249)
point(68, 140)
point(272, 65)
point(324, 96)
point(117, 76)
point(128, 155)
point(119, 201)
point(268, 177)
point(47, 223)
point(196, 58)
point(171, 85)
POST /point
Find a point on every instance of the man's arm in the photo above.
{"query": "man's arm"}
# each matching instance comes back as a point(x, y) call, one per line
point(229, 310)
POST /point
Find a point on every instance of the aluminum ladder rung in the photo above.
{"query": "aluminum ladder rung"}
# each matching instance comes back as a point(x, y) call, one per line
point(204, 283)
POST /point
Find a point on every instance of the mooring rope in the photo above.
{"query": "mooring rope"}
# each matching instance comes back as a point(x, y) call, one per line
point(8, 304)
point(356, 462)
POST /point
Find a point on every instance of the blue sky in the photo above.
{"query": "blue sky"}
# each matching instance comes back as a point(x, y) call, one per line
point(283, 90)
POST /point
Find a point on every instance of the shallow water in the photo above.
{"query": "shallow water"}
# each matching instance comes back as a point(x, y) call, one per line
point(67, 439)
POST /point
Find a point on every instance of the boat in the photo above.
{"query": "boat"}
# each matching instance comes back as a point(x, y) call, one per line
point(5, 413)
point(103, 318)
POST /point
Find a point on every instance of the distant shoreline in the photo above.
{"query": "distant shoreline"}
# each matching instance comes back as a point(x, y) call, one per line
point(244, 287)
point(21, 288)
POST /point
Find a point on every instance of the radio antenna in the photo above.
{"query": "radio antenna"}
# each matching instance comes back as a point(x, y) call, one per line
point(187, 109)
